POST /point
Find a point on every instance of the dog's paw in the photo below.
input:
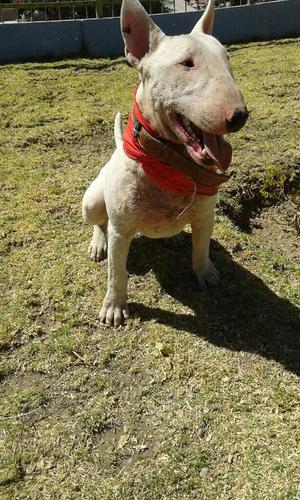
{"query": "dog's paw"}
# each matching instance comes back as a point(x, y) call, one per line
point(98, 248)
point(113, 313)
point(207, 276)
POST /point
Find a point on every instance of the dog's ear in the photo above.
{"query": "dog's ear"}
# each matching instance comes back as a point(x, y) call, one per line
point(139, 32)
point(206, 22)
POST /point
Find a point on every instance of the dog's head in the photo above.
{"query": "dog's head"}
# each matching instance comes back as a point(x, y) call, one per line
point(188, 92)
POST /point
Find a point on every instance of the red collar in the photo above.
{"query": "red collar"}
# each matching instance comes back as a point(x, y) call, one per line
point(165, 176)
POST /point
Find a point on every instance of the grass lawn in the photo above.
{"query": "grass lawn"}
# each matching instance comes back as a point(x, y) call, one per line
point(197, 397)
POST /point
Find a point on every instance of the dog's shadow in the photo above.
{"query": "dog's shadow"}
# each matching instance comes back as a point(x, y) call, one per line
point(241, 314)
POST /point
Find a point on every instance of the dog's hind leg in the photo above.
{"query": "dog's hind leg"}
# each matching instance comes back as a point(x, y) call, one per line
point(94, 212)
point(98, 247)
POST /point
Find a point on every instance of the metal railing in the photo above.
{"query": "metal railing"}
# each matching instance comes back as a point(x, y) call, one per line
point(50, 10)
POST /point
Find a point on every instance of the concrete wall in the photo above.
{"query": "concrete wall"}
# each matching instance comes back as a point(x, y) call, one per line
point(38, 40)
point(101, 37)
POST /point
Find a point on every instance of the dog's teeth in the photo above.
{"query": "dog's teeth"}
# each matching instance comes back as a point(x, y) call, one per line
point(185, 121)
point(205, 154)
point(191, 131)
point(188, 128)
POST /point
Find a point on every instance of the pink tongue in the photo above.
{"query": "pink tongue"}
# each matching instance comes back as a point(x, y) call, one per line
point(218, 149)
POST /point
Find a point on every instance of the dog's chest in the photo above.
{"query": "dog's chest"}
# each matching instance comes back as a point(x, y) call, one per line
point(136, 203)
point(162, 213)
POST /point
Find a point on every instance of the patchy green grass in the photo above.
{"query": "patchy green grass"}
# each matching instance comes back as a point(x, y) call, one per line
point(198, 395)
point(267, 158)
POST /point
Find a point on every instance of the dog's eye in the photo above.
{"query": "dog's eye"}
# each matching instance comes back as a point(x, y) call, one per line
point(188, 63)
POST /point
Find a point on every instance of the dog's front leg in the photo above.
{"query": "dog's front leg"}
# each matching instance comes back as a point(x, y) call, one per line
point(114, 308)
point(204, 269)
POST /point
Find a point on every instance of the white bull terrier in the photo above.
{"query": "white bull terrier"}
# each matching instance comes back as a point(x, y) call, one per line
point(167, 167)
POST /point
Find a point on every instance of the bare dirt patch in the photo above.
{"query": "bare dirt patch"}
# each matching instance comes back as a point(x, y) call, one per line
point(277, 227)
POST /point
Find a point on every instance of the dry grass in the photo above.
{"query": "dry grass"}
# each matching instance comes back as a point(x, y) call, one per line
point(198, 395)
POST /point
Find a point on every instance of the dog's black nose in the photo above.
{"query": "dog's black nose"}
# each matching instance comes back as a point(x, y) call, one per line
point(237, 120)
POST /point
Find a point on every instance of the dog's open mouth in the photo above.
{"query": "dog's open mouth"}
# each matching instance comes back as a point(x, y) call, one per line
point(206, 149)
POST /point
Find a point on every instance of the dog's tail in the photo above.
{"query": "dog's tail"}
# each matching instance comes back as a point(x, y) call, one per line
point(118, 130)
